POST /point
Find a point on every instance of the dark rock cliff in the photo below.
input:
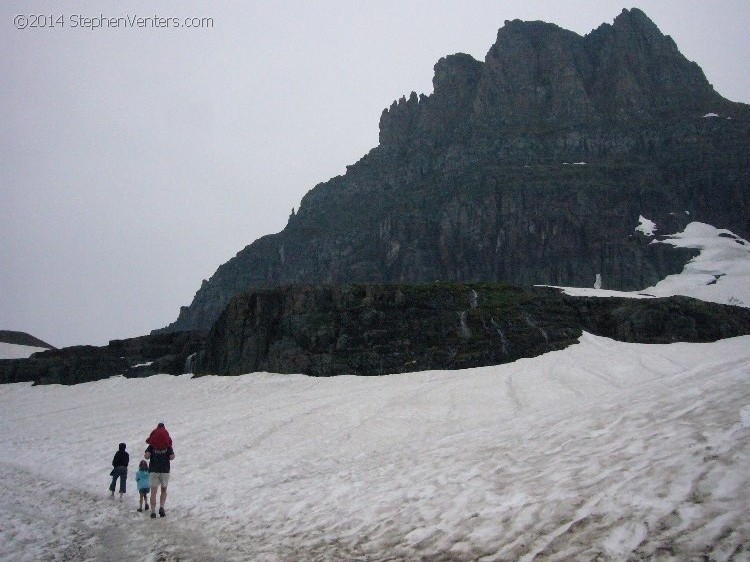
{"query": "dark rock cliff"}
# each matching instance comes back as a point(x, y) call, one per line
point(383, 329)
point(484, 179)
point(134, 357)
point(375, 330)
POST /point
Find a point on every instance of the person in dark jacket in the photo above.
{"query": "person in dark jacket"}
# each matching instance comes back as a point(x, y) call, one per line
point(158, 467)
point(120, 470)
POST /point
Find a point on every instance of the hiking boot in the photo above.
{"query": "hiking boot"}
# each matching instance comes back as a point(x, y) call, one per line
point(161, 512)
point(153, 515)
point(146, 508)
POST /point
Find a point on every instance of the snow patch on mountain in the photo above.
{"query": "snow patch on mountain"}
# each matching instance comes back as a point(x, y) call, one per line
point(646, 226)
point(720, 273)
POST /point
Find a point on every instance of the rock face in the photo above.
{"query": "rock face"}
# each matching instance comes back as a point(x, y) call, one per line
point(22, 338)
point(134, 357)
point(484, 179)
point(375, 330)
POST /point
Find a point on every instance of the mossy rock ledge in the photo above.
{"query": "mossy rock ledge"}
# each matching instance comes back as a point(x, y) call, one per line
point(382, 329)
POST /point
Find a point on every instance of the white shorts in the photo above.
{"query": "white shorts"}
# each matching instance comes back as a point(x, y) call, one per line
point(156, 479)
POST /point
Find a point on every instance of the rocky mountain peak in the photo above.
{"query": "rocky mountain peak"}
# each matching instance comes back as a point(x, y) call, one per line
point(534, 71)
point(436, 116)
point(638, 71)
point(455, 75)
point(636, 21)
point(538, 73)
point(531, 167)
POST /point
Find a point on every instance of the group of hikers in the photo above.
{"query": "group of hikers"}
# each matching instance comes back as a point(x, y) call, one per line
point(151, 475)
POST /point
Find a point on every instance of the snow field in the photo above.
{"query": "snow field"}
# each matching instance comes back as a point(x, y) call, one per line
point(604, 449)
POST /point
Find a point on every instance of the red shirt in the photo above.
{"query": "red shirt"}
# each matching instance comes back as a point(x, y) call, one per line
point(160, 438)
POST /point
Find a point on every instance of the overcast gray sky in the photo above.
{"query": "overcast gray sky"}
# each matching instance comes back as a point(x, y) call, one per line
point(134, 162)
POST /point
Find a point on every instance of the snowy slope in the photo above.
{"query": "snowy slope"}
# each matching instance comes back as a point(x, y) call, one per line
point(603, 449)
point(720, 273)
point(15, 351)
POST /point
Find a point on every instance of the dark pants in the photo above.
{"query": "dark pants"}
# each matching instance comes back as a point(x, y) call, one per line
point(120, 472)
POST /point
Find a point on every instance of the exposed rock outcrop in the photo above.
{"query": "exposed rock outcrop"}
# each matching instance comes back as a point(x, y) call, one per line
point(375, 330)
point(531, 167)
point(22, 338)
point(134, 357)
point(383, 329)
